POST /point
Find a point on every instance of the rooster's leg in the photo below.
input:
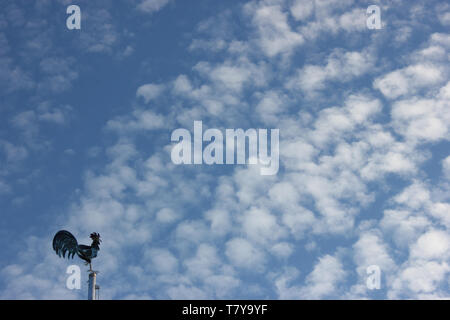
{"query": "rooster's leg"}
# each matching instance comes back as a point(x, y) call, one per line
point(90, 266)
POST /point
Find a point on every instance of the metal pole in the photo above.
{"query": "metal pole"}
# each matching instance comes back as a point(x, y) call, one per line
point(97, 292)
point(92, 285)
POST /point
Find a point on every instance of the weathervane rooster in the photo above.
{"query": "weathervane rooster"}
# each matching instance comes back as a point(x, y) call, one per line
point(64, 242)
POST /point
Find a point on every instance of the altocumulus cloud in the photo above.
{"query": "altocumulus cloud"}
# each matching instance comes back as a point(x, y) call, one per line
point(364, 164)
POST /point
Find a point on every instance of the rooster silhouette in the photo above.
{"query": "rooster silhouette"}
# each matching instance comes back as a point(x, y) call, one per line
point(64, 242)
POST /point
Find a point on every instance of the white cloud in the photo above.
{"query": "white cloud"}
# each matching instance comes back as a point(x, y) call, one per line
point(161, 260)
point(325, 278)
point(60, 115)
point(260, 226)
point(420, 280)
point(414, 196)
point(408, 80)
point(222, 285)
point(191, 232)
point(220, 221)
point(404, 226)
point(370, 249)
point(423, 118)
point(329, 16)
point(275, 36)
point(282, 249)
point(321, 283)
point(102, 35)
point(244, 254)
point(232, 75)
point(182, 84)
point(58, 74)
point(150, 6)
point(270, 106)
point(138, 120)
point(204, 263)
point(299, 221)
point(444, 18)
point(434, 244)
point(166, 215)
point(440, 211)
point(283, 289)
point(183, 292)
point(302, 9)
point(149, 91)
point(340, 66)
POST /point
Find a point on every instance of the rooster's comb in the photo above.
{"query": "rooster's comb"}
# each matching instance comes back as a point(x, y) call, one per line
point(95, 235)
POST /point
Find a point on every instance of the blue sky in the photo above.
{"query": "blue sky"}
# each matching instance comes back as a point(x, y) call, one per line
point(85, 126)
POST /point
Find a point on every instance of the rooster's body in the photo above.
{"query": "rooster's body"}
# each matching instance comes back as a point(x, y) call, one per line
point(64, 242)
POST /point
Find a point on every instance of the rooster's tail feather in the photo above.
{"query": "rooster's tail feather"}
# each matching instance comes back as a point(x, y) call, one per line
point(64, 242)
